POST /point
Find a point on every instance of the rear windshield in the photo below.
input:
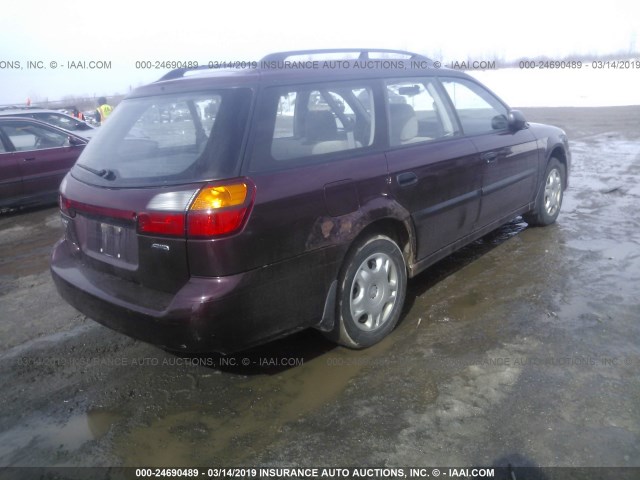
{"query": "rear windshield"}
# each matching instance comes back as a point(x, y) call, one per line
point(168, 140)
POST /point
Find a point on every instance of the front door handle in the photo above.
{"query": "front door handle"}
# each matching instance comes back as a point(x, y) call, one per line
point(29, 159)
point(489, 156)
point(407, 179)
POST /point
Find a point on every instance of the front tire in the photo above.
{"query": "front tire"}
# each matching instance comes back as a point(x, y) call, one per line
point(372, 288)
point(549, 199)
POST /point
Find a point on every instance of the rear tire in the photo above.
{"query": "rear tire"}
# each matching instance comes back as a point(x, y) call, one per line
point(549, 198)
point(372, 288)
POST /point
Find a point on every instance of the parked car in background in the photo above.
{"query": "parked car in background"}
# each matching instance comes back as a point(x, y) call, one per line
point(34, 158)
point(308, 200)
point(53, 117)
point(90, 117)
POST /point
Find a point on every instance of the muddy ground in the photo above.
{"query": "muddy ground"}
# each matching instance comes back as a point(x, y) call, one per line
point(522, 348)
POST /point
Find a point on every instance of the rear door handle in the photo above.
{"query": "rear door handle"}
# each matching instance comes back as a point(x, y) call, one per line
point(29, 159)
point(489, 156)
point(407, 179)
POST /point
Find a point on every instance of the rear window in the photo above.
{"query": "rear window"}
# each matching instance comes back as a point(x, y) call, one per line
point(168, 140)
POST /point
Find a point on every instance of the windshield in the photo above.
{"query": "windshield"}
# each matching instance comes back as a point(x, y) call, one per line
point(168, 139)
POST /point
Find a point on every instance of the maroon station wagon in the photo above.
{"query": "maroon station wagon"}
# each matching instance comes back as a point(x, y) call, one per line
point(217, 210)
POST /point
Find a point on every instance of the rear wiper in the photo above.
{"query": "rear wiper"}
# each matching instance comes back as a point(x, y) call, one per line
point(104, 173)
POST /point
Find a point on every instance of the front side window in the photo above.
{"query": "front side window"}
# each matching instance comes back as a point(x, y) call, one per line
point(25, 137)
point(478, 110)
point(310, 121)
point(417, 112)
point(168, 139)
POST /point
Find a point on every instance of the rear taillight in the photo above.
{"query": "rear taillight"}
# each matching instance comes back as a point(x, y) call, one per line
point(66, 206)
point(220, 209)
point(216, 210)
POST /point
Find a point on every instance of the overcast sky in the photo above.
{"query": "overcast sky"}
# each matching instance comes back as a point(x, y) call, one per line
point(124, 32)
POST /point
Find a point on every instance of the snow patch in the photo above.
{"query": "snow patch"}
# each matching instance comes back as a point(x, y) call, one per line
point(459, 413)
point(585, 87)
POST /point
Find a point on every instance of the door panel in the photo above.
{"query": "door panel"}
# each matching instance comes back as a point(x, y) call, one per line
point(510, 162)
point(43, 170)
point(10, 176)
point(445, 200)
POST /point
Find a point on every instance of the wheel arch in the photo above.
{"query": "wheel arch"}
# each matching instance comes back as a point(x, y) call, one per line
point(393, 228)
point(333, 325)
point(382, 215)
point(399, 230)
point(559, 153)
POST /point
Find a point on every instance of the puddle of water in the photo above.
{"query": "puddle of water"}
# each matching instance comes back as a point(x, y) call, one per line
point(40, 435)
point(506, 271)
point(253, 413)
point(608, 248)
point(83, 428)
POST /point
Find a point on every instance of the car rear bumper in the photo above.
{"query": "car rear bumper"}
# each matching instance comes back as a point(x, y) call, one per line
point(223, 314)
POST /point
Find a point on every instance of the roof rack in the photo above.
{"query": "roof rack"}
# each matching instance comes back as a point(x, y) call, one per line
point(363, 53)
point(179, 72)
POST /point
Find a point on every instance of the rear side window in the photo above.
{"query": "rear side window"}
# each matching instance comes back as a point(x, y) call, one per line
point(478, 110)
point(301, 124)
point(168, 139)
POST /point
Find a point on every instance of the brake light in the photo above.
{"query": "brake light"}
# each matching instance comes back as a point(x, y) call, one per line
point(66, 206)
point(161, 223)
point(220, 209)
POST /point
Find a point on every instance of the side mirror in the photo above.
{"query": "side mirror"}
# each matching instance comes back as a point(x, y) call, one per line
point(75, 141)
point(516, 120)
point(499, 122)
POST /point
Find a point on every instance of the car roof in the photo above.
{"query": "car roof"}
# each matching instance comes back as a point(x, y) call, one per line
point(273, 69)
point(27, 110)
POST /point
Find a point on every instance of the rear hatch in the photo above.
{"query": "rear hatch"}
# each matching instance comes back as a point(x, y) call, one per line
point(161, 170)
